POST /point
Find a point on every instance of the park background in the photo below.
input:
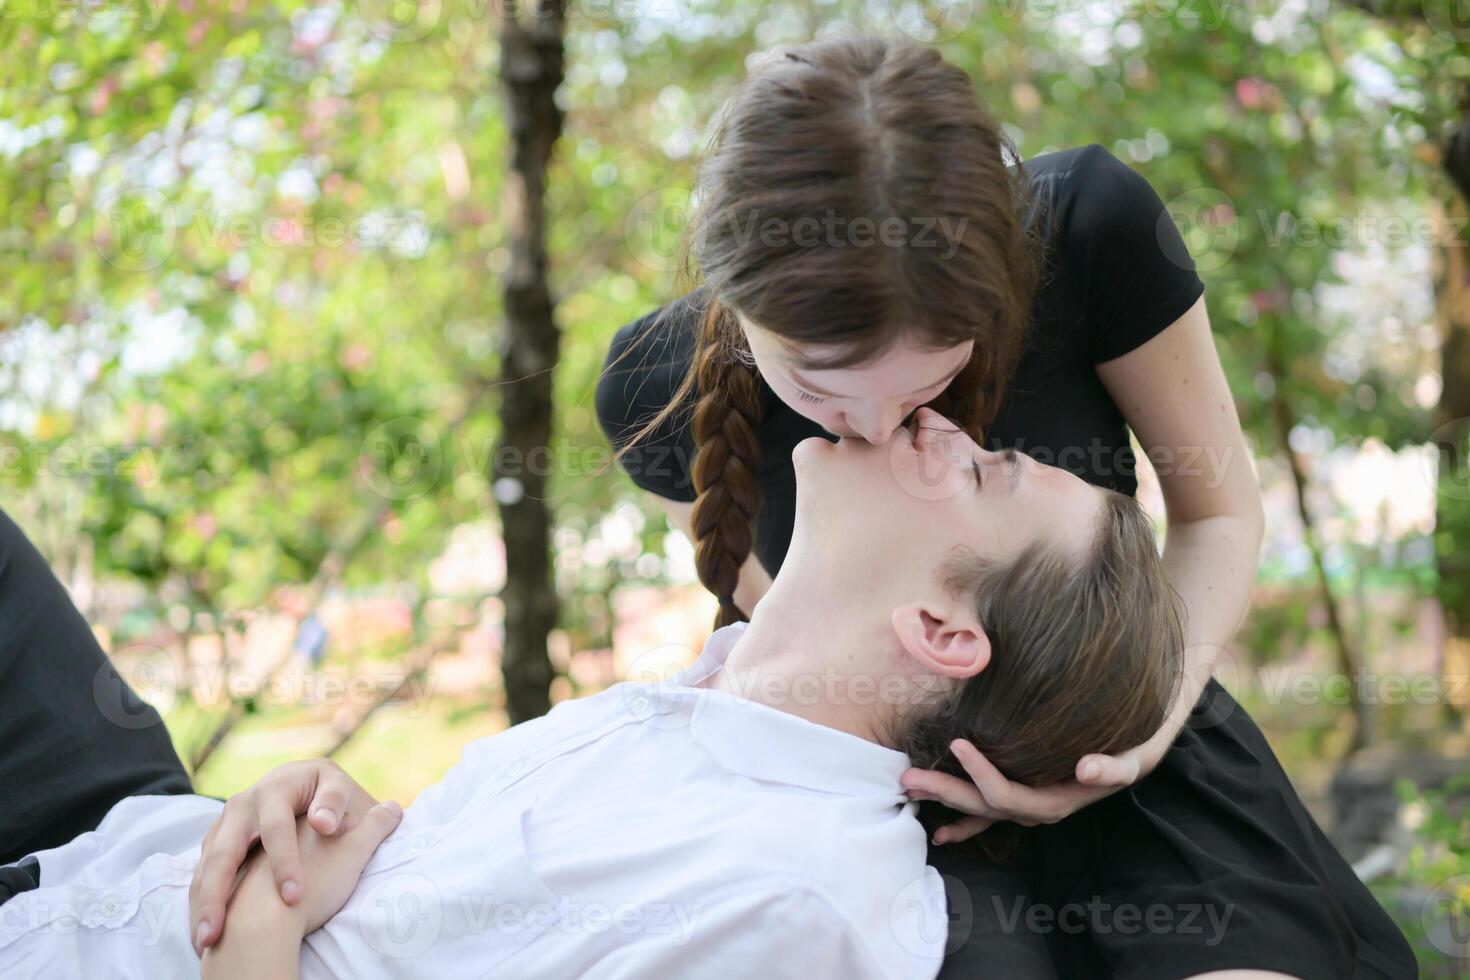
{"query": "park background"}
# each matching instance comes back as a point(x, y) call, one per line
point(303, 307)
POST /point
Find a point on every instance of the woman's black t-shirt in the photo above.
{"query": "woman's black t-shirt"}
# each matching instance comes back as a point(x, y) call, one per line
point(1117, 273)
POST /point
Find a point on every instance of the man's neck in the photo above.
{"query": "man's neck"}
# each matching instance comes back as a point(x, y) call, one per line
point(803, 663)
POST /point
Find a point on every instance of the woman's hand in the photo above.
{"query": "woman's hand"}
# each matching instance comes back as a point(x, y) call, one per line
point(266, 813)
point(264, 940)
point(993, 797)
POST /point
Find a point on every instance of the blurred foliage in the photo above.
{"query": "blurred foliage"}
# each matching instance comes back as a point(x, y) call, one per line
point(1440, 864)
point(249, 309)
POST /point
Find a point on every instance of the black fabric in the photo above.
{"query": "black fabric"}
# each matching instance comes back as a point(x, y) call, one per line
point(1117, 274)
point(1210, 862)
point(74, 738)
point(986, 902)
point(17, 878)
point(1217, 825)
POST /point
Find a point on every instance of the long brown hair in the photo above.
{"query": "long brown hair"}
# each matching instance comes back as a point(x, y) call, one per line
point(853, 129)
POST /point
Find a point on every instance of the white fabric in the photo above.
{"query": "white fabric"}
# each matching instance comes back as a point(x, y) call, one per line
point(658, 831)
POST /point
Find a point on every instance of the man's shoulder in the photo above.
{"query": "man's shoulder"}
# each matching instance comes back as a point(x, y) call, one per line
point(871, 926)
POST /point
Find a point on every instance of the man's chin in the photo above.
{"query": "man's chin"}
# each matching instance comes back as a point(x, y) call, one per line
point(811, 447)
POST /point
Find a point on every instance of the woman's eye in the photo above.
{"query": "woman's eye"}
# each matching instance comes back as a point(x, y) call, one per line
point(979, 474)
point(807, 396)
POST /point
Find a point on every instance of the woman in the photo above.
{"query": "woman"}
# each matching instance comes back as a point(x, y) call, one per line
point(865, 250)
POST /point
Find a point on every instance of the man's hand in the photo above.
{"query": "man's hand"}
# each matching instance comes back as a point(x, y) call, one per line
point(266, 813)
point(991, 796)
point(264, 940)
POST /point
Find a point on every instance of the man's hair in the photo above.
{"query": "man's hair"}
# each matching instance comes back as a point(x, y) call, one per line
point(1085, 657)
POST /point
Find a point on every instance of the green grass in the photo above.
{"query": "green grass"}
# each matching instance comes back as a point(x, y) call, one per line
point(401, 750)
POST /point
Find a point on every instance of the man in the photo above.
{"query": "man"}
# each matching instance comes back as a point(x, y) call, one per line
point(704, 825)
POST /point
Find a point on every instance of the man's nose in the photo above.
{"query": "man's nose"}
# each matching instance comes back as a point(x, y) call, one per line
point(937, 436)
point(927, 418)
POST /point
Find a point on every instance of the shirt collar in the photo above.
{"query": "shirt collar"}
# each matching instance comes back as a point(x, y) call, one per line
point(712, 657)
point(762, 742)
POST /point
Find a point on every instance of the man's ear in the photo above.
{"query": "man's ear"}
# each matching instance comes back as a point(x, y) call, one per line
point(948, 641)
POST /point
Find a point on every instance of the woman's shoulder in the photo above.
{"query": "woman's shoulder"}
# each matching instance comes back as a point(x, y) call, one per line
point(1087, 188)
point(647, 363)
point(665, 336)
point(1114, 246)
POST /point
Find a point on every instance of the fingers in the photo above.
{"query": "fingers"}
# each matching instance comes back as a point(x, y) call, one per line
point(374, 828)
point(952, 791)
point(990, 796)
point(329, 804)
point(1017, 802)
point(953, 833)
point(1108, 770)
point(997, 790)
point(278, 840)
point(214, 876)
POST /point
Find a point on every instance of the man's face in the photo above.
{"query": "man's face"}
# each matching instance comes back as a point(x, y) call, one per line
point(887, 517)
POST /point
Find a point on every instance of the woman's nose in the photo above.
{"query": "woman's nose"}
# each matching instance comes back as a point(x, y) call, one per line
point(876, 428)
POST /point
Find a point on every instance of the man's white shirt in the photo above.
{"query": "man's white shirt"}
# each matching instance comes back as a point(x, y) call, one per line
point(650, 830)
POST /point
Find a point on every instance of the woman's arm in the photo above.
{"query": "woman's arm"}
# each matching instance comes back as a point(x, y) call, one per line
point(754, 581)
point(1173, 393)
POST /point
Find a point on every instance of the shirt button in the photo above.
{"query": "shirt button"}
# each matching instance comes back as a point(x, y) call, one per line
point(515, 770)
point(419, 843)
point(639, 703)
point(111, 908)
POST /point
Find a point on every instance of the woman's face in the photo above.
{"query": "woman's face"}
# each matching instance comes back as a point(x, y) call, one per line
point(867, 402)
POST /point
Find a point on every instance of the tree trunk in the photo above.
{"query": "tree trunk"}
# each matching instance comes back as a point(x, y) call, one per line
point(1452, 416)
point(1348, 660)
point(531, 68)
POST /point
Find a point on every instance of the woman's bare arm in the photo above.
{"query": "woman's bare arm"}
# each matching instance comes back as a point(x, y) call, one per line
point(1173, 394)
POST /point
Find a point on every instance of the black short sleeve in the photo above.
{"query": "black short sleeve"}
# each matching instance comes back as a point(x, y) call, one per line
point(1135, 275)
point(645, 366)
